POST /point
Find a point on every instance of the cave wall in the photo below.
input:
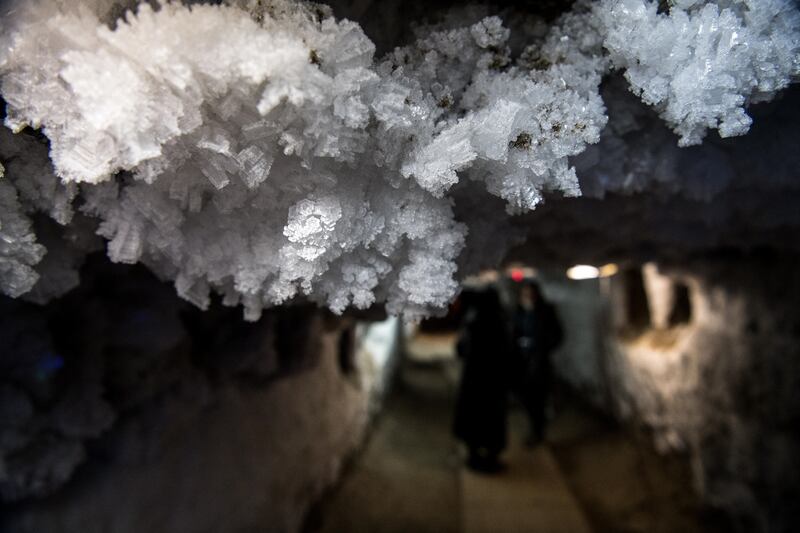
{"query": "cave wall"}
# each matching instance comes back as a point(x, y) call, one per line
point(155, 421)
point(712, 367)
point(581, 310)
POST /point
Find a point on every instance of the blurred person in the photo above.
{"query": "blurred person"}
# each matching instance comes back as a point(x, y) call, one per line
point(537, 333)
point(481, 408)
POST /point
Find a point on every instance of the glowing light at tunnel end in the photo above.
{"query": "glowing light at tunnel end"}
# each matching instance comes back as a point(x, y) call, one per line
point(582, 272)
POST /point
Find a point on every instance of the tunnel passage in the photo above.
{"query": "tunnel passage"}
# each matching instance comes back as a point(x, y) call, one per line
point(368, 158)
point(236, 405)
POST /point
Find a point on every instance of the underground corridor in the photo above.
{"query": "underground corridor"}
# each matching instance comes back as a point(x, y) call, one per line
point(308, 421)
point(591, 475)
point(361, 266)
point(600, 469)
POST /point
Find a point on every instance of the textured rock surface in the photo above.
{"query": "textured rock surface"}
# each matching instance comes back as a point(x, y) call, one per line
point(720, 384)
point(204, 423)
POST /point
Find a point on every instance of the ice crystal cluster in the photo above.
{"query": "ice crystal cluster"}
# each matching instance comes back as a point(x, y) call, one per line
point(260, 150)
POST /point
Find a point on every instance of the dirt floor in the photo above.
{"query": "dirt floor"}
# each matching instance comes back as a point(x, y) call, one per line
point(406, 478)
point(622, 484)
point(591, 475)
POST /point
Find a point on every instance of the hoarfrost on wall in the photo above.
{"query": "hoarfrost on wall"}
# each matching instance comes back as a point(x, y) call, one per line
point(259, 150)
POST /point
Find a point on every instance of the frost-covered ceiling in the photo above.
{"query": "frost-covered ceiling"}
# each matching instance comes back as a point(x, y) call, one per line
point(261, 150)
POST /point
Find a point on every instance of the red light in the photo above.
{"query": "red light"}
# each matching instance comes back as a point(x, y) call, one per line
point(517, 275)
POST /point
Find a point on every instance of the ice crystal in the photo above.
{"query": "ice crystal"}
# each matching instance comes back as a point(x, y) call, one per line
point(258, 149)
point(701, 63)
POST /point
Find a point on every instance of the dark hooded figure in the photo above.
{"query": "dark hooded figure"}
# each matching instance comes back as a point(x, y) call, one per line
point(483, 345)
point(537, 332)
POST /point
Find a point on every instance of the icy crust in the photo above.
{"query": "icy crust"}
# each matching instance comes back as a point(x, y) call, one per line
point(258, 150)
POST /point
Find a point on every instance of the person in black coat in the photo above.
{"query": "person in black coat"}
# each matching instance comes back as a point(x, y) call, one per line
point(537, 333)
point(484, 346)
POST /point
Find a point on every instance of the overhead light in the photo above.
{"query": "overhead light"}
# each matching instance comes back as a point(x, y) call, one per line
point(583, 272)
point(608, 270)
point(591, 272)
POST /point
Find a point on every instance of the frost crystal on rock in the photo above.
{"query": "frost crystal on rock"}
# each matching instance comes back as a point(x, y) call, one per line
point(704, 61)
point(19, 251)
point(259, 151)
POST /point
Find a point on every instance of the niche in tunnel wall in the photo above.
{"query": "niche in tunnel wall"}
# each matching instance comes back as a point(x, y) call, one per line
point(668, 298)
point(629, 302)
point(346, 350)
point(636, 302)
point(681, 312)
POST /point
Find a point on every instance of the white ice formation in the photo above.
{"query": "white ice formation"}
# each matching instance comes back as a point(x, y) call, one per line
point(258, 149)
point(704, 62)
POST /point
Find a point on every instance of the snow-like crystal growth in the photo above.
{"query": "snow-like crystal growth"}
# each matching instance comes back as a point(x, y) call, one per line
point(259, 151)
point(703, 62)
point(19, 251)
